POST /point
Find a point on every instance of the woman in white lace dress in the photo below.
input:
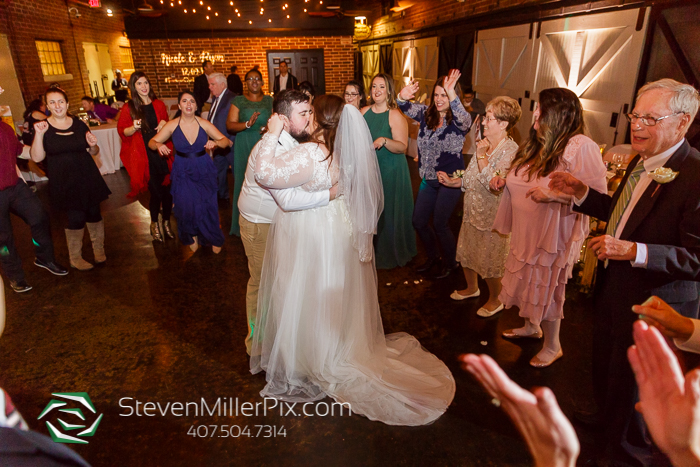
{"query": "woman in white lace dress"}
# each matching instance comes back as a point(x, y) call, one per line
point(318, 331)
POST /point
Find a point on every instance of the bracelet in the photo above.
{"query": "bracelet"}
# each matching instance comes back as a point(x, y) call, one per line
point(246, 125)
point(481, 157)
point(384, 145)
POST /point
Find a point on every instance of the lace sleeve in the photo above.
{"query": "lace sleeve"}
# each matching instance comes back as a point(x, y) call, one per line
point(290, 169)
point(500, 162)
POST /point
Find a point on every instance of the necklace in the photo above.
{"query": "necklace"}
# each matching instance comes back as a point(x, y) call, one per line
point(496, 148)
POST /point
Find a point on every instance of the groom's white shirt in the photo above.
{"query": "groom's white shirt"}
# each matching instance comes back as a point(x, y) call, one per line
point(258, 204)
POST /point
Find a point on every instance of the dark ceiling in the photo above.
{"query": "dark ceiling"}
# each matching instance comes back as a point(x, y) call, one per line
point(168, 19)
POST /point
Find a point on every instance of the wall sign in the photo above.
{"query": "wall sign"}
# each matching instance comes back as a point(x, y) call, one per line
point(186, 66)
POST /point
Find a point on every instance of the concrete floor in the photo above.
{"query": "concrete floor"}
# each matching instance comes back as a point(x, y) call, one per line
point(160, 324)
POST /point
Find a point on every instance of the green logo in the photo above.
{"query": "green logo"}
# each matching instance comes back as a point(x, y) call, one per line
point(72, 414)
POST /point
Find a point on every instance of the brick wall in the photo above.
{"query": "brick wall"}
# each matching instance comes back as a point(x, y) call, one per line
point(27, 21)
point(242, 52)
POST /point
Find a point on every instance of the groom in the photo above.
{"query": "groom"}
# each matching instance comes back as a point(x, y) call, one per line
point(258, 205)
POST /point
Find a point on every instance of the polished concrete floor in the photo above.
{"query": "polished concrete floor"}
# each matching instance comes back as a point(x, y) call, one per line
point(160, 324)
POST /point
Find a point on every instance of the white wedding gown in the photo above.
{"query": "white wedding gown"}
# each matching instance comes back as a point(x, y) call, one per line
point(319, 330)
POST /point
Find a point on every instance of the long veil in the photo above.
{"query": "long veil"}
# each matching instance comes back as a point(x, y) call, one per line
point(360, 181)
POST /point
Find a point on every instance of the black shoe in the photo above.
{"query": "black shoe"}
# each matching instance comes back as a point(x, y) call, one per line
point(20, 286)
point(444, 271)
point(588, 419)
point(52, 266)
point(427, 265)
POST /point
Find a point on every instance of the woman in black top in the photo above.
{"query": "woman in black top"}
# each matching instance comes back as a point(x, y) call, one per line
point(75, 182)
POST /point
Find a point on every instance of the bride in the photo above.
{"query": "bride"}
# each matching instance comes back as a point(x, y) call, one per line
point(318, 331)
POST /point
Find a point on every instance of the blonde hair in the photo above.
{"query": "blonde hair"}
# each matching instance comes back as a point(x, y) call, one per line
point(390, 92)
point(505, 109)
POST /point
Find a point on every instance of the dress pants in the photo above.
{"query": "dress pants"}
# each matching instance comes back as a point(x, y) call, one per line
point(222, 163)
point(437, 201)
point(23, 202)
point(254, 237)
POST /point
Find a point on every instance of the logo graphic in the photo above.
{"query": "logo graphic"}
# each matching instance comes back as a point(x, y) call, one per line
point(58, 435)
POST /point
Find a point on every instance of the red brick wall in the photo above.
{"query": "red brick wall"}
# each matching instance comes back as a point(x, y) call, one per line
point(242, 52)
point(27, 21)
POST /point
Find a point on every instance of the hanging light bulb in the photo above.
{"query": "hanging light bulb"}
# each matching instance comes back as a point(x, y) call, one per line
point(250, 22)
point(185, 10)
point(229, 21)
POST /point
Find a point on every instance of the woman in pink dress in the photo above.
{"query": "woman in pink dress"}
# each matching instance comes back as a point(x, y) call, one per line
point(546, 235)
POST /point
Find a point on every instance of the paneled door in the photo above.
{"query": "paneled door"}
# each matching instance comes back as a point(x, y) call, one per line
point(370, 65)
point(99, 67)
point(12, 97)
point(503, 66)
point(597, 57)
point(306, 65)
point(416, 59)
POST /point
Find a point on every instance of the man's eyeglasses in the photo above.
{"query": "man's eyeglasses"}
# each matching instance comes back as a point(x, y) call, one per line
point(254, 78)
point(352, 94)
point(648, 120)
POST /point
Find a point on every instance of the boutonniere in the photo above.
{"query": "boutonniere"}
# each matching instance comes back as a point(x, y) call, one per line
point(458, 174)
point(663, 175)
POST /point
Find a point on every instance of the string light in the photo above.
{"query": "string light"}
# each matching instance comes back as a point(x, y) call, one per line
point(171, 4)
point(207, 17)
point(269, 20)
point(304, 10)
point(201, 2)
point(229, 21)
point(216, 14)
point(194, 11)
point(250, 22)
point(287, 16)
point(239, 15)
point(209, 8)
point(185, 10)
point(236, 10)
point(231, 3)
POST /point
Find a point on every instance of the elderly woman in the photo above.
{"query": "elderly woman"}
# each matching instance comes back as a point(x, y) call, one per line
point(480, 250)
point(546, 233)
point(443, 126)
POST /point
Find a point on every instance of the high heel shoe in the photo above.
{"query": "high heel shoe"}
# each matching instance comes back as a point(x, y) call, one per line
point(167, 229)
point(155, 232)
point(537, 363)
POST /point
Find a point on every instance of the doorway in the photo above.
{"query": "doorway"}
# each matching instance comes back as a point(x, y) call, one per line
point(306, 65)
point(99, 67)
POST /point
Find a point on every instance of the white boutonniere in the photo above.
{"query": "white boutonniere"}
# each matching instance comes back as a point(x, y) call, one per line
point(458, 174)
point(663, 175)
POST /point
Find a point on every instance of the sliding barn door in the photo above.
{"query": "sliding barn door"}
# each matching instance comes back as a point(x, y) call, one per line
point(597, 57)
point(416, 59)
point(370, 65)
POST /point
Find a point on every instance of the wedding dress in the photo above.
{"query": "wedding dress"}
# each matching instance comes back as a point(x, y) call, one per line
point(319, 331)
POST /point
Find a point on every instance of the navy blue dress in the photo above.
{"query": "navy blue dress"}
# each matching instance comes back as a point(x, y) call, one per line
point(194, 188)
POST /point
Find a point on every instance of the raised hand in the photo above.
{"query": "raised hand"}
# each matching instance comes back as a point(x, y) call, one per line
point(91, 139)
point(482, 147)
point(450, 83)
point(659, 314)
point(548, 433)
point(409, 91)
point(41, 127)
point(669, 403)
point(567, 184)
point(275, 124)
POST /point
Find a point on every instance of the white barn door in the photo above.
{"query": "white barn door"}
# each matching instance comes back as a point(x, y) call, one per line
point(370, 65)
point(597, 57)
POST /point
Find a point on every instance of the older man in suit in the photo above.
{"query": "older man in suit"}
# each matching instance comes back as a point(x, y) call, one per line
point(284, 80)
point(651, 247)
point(218, 113)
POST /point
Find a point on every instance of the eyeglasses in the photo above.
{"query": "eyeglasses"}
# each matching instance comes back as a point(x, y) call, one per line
point(489, 119)
point(352, 94)
point(254, 78)
point(649, 120)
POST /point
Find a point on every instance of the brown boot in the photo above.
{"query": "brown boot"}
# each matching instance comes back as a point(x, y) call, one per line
point(74, 238)
point(97, 235)
point(155, 232)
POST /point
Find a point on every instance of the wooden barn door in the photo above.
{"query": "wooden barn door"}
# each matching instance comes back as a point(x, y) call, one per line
point(416, 59)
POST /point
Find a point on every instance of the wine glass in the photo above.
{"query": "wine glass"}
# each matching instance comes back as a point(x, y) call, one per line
point(618, 160)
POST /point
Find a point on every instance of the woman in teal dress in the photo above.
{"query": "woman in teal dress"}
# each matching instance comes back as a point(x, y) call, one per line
point(395, 243)
point(248, 115)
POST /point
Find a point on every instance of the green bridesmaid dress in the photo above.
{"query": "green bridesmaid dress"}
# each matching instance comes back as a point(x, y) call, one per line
point(245, 140)
point(395, 242)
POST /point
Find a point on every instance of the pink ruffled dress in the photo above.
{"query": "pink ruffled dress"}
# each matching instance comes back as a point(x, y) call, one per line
point(546, 238)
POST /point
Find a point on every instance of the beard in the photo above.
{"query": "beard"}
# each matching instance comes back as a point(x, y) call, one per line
point(302, 136)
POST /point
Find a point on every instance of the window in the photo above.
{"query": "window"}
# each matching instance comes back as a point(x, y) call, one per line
point(127, 60)
point(51, 58)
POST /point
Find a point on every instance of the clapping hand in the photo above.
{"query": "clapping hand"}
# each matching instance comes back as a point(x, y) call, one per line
point(91, 139)
point(409, 91)
point(669, 402)
point(253, 119)
point(497, 183)
point(655, 312)
point(567, 184)
point(41, 127)
point(548, 433)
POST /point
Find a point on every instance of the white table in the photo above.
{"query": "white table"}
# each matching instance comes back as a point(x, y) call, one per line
point(107, 160)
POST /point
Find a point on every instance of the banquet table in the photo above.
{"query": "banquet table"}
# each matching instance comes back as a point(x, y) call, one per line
point(110, 144)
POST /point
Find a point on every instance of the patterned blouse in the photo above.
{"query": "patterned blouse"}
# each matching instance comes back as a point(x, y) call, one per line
point(439, 150)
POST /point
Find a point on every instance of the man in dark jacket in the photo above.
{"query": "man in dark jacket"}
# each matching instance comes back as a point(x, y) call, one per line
point(201, 84)
point(284, 80)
